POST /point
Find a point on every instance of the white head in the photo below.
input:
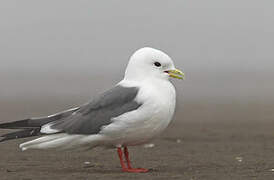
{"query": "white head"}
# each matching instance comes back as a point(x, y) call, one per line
point(148, 62)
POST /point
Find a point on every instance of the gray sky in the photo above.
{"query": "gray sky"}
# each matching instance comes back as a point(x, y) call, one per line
point(64, 47)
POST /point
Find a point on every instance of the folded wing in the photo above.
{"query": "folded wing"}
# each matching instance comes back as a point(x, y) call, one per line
point(87, 119)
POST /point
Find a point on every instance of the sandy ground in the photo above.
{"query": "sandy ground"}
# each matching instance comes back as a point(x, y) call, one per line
point(205, 141)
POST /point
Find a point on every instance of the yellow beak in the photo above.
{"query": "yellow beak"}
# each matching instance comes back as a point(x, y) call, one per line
point(176, 73)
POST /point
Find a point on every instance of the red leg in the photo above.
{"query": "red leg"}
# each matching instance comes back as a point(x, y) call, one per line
point(120, 154)
point(129, 168)
point(127, 157)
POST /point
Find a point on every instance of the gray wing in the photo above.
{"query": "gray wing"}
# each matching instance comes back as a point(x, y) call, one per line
point(91, 117)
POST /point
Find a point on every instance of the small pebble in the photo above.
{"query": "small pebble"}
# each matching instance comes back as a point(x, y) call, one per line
point(239, 159)
point(86, 163)
point(178, 141)
point(149, 145)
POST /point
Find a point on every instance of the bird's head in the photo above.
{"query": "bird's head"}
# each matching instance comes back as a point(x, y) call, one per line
point(151, 63)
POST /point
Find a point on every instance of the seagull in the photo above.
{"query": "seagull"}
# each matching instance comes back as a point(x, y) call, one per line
point(133, 112)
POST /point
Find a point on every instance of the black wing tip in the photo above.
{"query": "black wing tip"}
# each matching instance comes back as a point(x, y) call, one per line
point(20, 134)
point(4, 125)
point(15, 124)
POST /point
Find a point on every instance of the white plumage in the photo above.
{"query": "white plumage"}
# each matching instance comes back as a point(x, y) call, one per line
point(158, 98)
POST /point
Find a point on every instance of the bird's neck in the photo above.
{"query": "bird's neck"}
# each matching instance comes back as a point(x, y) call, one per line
point(157, 82)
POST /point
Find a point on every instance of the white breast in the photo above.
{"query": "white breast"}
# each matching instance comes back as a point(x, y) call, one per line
point(158, 101)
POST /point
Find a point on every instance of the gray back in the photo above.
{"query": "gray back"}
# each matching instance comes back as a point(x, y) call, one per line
point(91, 117)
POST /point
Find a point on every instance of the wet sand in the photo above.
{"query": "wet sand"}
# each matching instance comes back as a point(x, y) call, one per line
point(205, 141)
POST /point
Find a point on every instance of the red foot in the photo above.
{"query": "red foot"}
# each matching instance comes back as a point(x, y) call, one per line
point(136, 170)
point(128, 168)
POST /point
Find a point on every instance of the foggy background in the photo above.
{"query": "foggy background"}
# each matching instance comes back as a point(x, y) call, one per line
point(58, 54)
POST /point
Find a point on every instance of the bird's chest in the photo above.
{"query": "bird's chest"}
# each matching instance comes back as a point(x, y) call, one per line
point(159, 102)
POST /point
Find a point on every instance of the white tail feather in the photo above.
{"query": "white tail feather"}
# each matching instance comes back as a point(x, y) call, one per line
point(61, 141)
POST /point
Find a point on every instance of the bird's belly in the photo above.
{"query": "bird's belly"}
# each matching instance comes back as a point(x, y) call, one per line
point(151, 129)
point(139, 133)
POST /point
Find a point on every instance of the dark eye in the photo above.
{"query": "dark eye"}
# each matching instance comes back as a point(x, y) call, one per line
point(157, 64)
